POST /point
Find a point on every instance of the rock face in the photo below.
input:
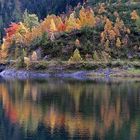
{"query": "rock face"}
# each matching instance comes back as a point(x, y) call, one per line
point(22, 74)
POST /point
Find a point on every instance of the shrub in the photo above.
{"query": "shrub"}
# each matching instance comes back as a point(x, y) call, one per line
point(96, 56)
point(138, 23)
point(76, 57)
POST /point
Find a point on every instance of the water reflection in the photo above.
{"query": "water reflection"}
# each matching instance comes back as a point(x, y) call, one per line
point(63, 109)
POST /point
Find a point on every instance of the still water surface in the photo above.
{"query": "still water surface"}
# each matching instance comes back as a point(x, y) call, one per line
point(57, 109)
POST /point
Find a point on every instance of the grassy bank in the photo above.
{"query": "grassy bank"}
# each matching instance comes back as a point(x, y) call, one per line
point(56, 65)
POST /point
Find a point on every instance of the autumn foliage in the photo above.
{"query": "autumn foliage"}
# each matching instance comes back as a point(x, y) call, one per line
point(114, 34)
point(134, 15)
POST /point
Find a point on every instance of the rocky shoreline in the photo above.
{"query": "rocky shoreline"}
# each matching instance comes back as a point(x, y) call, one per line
point(107, 74)
point(23, 74)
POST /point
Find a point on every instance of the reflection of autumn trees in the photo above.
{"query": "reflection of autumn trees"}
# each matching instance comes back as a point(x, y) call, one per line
point(84, 108)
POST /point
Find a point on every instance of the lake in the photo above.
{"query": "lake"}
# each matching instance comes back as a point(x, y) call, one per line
point(61, 109)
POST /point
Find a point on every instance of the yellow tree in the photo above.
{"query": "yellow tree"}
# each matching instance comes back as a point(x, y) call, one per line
point(116, 30)
point(134, 15)
point(108, 25)
point(112, 34)
point(102, 8)
point(90, 18)
point(82, 16)
point(53, 27)
point(76, 57)
point(107, 44)
point(31, 35)
point(71, 23)
point(87, 17)
point(45, 25)
point(103, 37)
point(4, 50)
point(119, 23)
point(118, 42)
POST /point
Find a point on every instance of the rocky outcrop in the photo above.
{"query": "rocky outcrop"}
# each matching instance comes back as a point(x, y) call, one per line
point(23, 74)
point(2, 67)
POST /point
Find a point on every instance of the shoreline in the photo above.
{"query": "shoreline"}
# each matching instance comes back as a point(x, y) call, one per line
point(105, 75)
point(86, 70)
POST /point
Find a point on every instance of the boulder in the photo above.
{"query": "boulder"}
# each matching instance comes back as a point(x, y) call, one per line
point(2, 67)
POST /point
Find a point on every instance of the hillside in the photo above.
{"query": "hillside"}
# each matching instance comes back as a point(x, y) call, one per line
point(12, 10)
point(86, 33)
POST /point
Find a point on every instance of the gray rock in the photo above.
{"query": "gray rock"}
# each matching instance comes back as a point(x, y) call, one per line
point(2, 67)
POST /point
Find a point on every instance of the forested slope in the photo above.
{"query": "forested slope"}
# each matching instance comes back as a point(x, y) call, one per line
point(12, 10)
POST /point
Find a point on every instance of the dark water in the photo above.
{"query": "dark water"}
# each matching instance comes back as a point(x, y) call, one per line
point(57, 109)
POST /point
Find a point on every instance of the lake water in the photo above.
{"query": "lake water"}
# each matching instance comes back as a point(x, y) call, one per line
point(61, 109)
